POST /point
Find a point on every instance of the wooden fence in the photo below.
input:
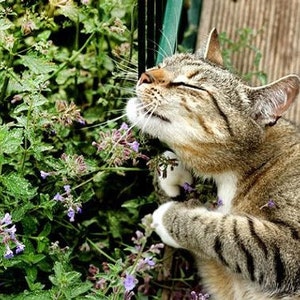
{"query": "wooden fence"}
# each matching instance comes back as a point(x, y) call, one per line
point(277, 24)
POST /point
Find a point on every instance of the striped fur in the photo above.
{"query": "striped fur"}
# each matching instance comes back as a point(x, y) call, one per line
point(220, 127)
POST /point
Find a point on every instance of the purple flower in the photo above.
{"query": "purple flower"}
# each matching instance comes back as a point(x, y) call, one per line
point(67, 188)
point(6, 219)
point(187, 187)
point(8, 254)
point(71, 214)
point(124, 126)
point(134, 146)
point(129, 282)
point(149, 261)
point(145, 264)
point(11, 231)
point(44, 175)
point(58, 197)
point(156, 248)
point(271, 204)
point(20, 247)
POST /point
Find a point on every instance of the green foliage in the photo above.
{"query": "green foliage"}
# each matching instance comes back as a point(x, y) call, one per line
point(65, 70)
point(244, 42)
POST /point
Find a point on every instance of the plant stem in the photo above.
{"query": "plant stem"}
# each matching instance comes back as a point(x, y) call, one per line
point(101, 251)
point(72, 58)
point(6, 79)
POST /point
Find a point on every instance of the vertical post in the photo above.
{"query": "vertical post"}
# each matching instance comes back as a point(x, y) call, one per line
point(151, 24)
point(170, 29)
point(141, 37)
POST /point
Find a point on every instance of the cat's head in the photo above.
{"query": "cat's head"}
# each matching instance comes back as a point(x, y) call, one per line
point(192, 98)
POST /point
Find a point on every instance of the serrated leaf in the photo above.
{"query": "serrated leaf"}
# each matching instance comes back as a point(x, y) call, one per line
point(5, 24)
point(18, 187)
point(38, 100)
point(21, 213)
point(37, 65)
point(10, 139)
point(80, 289)
point(32, 257)
point(35, 295)
point(70, 11)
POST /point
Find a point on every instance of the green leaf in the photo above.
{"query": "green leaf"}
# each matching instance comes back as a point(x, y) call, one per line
point(21, 214)
point(35, 295)
point(18, 187)
point(37, 65)
point(65, 75)
point(10, 139)
point(32, 258)
point(46, 230)
point(70, 11)
point(5, 24)
point(80, 289)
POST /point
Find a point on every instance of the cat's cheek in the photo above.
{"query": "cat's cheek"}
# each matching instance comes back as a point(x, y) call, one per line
point(157, 224)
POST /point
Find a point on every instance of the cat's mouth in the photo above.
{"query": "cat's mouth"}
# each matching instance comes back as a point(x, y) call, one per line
point(152, 114)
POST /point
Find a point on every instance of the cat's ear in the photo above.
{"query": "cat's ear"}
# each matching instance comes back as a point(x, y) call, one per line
point(269, 102)
point(212, 51)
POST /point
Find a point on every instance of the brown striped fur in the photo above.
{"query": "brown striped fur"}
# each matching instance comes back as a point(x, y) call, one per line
point(219, 127)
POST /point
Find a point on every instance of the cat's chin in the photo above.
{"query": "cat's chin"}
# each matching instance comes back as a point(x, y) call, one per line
point(147, 122)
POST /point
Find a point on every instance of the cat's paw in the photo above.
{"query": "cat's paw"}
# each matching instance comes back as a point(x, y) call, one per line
point(176, 176)
point(157, 224)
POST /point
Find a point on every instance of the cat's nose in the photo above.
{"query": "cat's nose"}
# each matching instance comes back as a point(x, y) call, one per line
point(146, 78)
point(158, 76)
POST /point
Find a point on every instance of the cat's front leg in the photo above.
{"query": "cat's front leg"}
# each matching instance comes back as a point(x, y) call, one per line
point(171, 178)
point(158, 224)
point(171, 217)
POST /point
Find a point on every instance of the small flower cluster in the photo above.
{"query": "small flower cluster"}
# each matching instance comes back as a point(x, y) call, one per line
point(68, 113)
point(75, 164)
point(69, 203)
point(8, 235)
point(199, 296)
point(160, 164)
point(138, 264)
point(119, 146)
point(188, 188)
point(118, 27)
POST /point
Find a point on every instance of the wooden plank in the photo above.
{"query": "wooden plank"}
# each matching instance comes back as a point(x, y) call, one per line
point(277, 27)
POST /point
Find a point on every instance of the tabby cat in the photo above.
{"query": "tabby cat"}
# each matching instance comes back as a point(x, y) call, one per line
point(219, 127)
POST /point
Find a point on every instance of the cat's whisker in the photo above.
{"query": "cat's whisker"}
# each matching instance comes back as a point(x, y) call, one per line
point(105, 123)
point(165, 52)
point(160, 50)
point(140, 107)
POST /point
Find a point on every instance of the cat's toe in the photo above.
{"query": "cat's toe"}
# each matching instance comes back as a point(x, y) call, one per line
point(158, 224)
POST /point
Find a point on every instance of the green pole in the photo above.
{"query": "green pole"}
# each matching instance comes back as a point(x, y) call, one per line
point(170, 27)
